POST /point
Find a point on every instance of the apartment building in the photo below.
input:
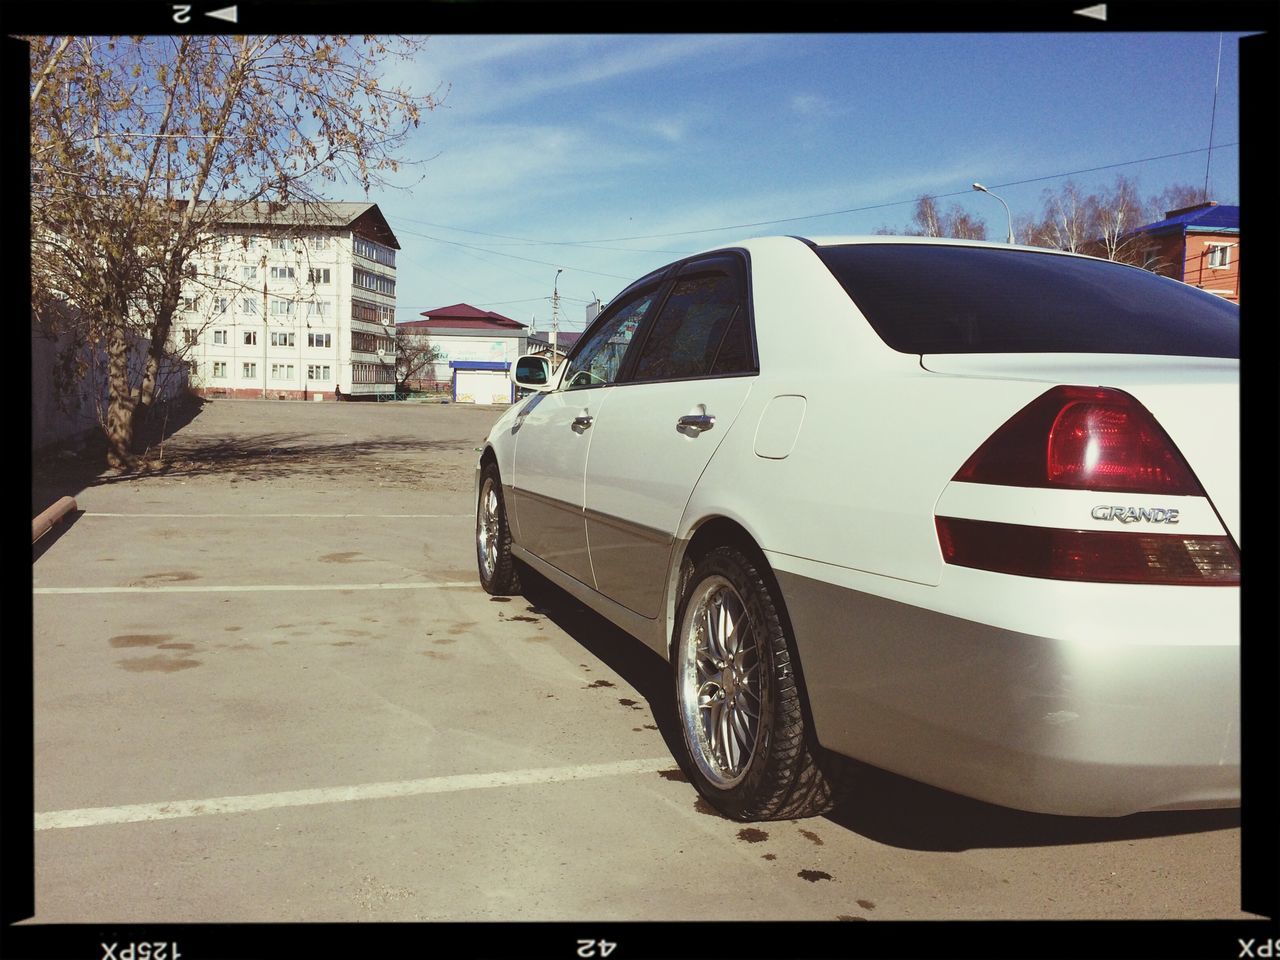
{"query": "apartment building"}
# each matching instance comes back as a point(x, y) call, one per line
point(292, 302)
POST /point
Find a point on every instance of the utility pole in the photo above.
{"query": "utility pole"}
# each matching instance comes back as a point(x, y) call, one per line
point(555, 314)
point(264, 323)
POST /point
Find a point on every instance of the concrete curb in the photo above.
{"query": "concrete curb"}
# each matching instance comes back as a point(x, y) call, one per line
point(45, 521)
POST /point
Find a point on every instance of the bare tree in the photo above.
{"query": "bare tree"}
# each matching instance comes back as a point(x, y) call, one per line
point(1067, 222)
point(414, 355)
point(1116, 214)
point(927, 220)
point(1105, 223)
point(1177, 197)
point(141, 146)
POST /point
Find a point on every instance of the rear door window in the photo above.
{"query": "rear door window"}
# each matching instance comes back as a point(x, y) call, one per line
point(702, 329)
point(954, 299)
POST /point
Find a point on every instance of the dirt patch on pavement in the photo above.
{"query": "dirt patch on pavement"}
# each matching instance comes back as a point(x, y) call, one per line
point(424, 446)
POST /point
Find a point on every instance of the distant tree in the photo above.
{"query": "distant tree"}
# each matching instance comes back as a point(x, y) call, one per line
point(965, 226)
point(1176, 197)
point(927, 220)
point(141, 145)
point(1116, 214)
point(414, 355)
point(1067, 221)
point(1102, 224)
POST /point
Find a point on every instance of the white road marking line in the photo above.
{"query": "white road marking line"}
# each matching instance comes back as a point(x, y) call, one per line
point(136, 813)
point(260, 587)
point(286, 516)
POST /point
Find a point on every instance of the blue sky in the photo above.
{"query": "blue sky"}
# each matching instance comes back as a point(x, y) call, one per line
point(608, 156)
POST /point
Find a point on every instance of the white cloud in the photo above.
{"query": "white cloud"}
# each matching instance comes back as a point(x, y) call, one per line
point(815, 105)
point(488, 74)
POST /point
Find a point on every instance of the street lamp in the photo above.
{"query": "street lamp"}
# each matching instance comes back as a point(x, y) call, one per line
point(978, 186)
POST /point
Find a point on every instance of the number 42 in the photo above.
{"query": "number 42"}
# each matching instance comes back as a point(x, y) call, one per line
point(595, 948)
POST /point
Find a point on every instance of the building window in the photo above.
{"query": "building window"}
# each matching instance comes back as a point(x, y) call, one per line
point(282, 273)
point(249, 371)
point(250, 338)
point(374, 251)
point(373, 281)
point(372, 373)
point(319, 339)
point(191, 304)
point(190, 337)
point(317, 308)
point(222, 304)
point(249, 273)
point(220, 336)
point(221, 271)
point(371, 342)
point(281, 243)
point(249, 305)
point(318, 275)
point(282, 339)
point(1219, 255)
point(317, 372)
point(282, 371)
point(282, 308)
point(320, 243)
point(220, 369)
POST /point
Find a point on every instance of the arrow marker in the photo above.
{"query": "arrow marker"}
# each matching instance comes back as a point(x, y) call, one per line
point(1097, 11)
point(229, 14)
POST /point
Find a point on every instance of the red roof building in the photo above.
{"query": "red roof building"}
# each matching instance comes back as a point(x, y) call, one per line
point(475, 350)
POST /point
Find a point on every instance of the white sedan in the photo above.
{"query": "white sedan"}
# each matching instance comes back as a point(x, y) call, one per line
point(966, 512)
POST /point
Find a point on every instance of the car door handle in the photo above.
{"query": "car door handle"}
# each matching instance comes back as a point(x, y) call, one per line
point(582, 422)
point(700, 422)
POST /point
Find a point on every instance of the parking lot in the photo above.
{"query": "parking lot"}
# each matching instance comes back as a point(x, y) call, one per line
point(268, 688)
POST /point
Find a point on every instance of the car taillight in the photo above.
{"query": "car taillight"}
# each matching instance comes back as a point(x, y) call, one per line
point(1098, 556)
point(1086, 438)
point(1082, 438)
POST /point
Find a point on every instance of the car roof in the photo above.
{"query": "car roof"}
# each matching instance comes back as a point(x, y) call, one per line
point(837, 240)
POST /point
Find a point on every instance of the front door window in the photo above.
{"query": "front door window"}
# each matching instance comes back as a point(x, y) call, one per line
point(599, 360)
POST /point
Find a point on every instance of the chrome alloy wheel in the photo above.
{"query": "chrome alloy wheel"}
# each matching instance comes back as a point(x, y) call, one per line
point(488, 529)
point(718, 671)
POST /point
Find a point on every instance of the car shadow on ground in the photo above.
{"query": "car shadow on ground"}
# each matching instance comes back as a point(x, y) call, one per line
point(878, 805)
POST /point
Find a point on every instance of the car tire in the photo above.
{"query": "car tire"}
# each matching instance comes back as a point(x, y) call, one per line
point(498, 572)
point(750, 751)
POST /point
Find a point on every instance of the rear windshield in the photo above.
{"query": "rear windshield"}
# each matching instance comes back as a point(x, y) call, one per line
point(945, 299)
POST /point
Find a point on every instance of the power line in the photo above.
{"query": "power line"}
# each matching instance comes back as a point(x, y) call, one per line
point(497, 253)
point(811, 216)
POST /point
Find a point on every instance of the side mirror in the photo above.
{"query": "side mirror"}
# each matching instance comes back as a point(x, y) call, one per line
point(532, 372)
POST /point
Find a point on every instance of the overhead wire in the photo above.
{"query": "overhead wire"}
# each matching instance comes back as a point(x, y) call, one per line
point(588, 244)
point(812, 216)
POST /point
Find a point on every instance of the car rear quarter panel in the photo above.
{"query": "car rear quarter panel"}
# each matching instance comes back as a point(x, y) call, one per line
point(878, 441)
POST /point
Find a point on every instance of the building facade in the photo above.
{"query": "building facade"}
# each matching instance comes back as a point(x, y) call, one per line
point(475, 351)
point(292, 302)
point(1199, 245)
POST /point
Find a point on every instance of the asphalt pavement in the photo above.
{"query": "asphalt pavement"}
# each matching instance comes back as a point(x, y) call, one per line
point(268, 687)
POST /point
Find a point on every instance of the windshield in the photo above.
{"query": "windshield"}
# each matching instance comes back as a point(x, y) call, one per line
point(952, 299)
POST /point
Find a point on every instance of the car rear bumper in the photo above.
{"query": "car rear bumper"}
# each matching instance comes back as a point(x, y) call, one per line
point(1079, 716)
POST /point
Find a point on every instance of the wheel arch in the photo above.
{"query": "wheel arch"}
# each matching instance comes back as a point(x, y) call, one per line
point(717, 531)
point(704, 536)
